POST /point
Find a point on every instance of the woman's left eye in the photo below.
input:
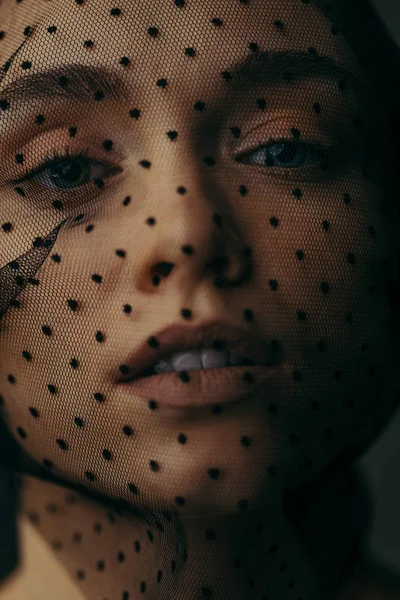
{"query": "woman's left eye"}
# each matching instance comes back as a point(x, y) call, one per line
point(286, 154)
point(70, 173)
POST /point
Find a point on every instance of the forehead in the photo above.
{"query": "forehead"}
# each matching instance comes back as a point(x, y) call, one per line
point(220, 31)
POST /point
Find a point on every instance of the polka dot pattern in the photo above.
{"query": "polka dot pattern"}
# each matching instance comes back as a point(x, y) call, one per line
point(199, 275)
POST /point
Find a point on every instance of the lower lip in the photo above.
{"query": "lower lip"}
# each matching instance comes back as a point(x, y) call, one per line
point(206, 386)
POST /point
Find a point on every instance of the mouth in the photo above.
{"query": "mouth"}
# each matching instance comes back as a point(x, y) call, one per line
point(153, 370)
point(195, 389)
point(211, 346)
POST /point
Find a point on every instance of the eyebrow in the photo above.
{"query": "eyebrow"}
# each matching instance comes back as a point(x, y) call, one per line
point(81, 82)
point(71, 81)
point(271, 68)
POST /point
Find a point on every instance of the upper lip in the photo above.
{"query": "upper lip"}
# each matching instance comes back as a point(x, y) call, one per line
point(180, 338)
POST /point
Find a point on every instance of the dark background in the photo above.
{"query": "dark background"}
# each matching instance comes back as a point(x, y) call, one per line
point(381, 465)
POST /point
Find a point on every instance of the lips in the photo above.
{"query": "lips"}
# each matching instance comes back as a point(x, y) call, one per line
point(212, 334)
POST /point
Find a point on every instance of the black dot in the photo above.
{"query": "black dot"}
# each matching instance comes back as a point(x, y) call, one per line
point(97, 527)
point(33, 517)
point(213, 473)
point(133, 489)
point(62, 444)
point(46, 330)
point(209, 160)
point(73, 305)
point(33, 411)
point(107, 144)
point(63, 81)
point(21, 432)
point(172, 135)
point(279, 25)
point(145, 163)
point(127, 430)
point(210, 534)
point(106, 454)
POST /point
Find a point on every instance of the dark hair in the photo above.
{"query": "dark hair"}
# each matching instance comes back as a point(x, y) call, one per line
point(378, 54)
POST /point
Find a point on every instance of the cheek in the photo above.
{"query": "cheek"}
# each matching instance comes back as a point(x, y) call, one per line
point(331, 393)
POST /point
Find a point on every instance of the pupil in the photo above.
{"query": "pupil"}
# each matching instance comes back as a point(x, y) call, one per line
point(284, 152)
point(288, 153)
point(67, 173)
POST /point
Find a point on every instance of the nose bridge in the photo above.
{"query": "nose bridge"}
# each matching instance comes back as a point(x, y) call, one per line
point(187, 217)
point(194, 232)
point(183, 187)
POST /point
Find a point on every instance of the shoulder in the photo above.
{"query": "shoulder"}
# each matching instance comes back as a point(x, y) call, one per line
point(372, 580)
point(39, 575)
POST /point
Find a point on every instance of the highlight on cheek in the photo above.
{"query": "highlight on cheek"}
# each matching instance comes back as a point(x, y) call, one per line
point(199, 271)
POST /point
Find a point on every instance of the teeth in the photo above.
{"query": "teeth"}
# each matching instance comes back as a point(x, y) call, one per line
point(198, 359)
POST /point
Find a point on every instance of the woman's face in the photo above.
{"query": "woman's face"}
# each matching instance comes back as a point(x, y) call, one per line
point(317, 237)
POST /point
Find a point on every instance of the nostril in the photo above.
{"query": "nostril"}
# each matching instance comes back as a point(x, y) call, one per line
point(163, 268)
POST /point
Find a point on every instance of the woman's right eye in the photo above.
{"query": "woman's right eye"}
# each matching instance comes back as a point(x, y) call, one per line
point(69, 172)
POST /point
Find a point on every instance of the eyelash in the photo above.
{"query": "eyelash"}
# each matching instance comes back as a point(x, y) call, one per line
point(54, 158)
point(322, 153)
